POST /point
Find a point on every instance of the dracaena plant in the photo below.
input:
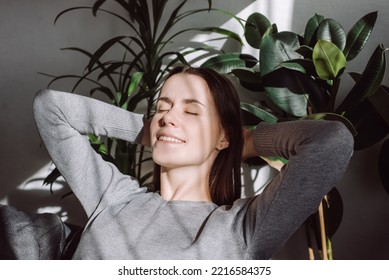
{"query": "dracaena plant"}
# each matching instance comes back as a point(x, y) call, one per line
point(298, 76)
point(135, 76)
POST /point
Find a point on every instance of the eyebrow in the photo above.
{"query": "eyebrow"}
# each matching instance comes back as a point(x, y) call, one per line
point(186, 101)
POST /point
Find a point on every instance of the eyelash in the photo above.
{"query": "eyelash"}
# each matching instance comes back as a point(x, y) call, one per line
point(165, 110)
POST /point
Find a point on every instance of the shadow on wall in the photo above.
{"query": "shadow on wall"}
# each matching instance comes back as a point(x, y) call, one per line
point(34, 197)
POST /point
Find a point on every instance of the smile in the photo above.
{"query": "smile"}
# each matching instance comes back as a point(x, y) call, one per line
point(170, 139)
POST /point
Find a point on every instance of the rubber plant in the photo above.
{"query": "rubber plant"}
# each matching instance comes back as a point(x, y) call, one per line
point(136, 75)
point(298, 76)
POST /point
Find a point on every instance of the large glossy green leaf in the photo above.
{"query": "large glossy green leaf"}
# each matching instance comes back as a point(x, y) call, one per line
point(291, 90)
point(282, 86)
point(311, 29)
point(278, 48)
point(368, 83)
point(256, 26)
point(291, 103)
point(383, 165)
point(305, 66)
point(380, 102)
point(249, 78)
point(328, 59)
point(371, 117)
point(225, 63)
point(259, 112)
point(285, 89)
point(305, 51)
point(358, 35)
point(247, 74)
point(331, 30)
point(333, 211)
point(370, 126)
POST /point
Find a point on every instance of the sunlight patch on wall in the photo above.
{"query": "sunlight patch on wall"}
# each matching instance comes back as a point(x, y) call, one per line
point(277, 11)
point(44, 195)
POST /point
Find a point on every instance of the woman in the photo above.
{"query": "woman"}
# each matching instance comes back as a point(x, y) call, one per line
point(196, 140)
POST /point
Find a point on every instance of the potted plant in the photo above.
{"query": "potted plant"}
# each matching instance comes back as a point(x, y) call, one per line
point(298, 76)
point(134, 78)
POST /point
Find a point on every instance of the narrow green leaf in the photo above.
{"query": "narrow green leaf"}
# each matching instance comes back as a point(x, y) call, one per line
point(256, 26)
point(210, 5)
point(259, 112)
point(331, 30)
point(225, 63)
point(311, 29)
point(103, 49)
point(102, 10)
point(369, 81)
point(135, 80)
point(223, 31)
point(145, 177)
point(328, 59)
point(96, 6)
point(69, 10)
point(107, 91)
point(51, 178)
point(358, 35)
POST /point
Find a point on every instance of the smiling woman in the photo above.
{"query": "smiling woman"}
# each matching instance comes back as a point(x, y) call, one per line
point(201, 109)
point(198, 144)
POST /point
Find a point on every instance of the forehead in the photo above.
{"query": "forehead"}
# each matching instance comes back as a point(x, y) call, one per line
point(184, 86)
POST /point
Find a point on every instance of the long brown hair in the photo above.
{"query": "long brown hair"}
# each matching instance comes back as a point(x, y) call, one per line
point(225, 175)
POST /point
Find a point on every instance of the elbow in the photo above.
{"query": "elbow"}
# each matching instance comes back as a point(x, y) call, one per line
point(40, 102)
point(44, 106)
point(340, 139)
point(337, 145)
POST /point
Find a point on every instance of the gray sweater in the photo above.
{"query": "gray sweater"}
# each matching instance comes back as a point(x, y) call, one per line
point(127, 222)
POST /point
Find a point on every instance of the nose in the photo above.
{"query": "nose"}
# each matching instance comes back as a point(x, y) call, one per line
point(170, 118)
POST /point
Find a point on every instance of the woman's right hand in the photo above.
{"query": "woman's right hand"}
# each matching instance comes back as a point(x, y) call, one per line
point(249, 150)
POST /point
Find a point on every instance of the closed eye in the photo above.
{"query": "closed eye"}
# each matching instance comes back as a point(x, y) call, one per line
point(191, 113)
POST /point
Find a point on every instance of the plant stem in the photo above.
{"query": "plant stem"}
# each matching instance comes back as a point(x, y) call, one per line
point(311, 253)
point(323, 232)
point(142, 148)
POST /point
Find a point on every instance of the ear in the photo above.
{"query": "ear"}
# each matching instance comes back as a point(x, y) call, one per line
point(223, 143)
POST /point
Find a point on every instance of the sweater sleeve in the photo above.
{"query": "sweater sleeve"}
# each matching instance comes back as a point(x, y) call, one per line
point(63, 120)
point(318, 154)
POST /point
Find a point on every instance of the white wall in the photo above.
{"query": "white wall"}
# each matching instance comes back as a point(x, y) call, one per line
point(29, 43)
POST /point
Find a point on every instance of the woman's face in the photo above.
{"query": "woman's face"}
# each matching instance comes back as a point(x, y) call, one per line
point(186, 131)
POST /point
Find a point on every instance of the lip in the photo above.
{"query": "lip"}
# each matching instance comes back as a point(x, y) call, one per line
point(169, 135)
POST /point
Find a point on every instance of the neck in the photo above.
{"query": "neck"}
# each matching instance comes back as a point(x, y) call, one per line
point(185, 183)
